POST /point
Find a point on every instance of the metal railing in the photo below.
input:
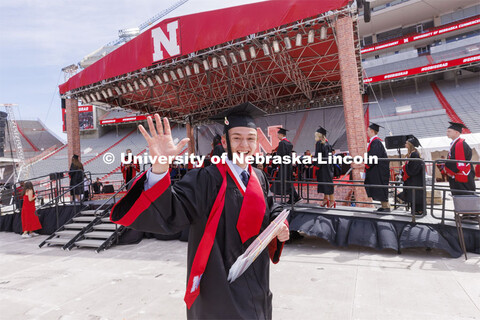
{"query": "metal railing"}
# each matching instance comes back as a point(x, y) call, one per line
point(431, 208)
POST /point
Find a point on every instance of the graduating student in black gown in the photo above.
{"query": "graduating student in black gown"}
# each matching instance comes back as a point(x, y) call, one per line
point(218, 149)
point(285, 171)
point(377, 174)
point(461, 176)
point(224, 218)
point(413, 174)
point(325, 171)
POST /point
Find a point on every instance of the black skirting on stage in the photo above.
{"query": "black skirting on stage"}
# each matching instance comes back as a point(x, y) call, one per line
point(47, 217)
point(380, 234)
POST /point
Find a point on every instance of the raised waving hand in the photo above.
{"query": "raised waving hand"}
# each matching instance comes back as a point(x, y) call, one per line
point(160, 142)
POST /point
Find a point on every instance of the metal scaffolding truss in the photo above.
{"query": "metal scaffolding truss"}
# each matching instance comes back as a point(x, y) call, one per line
point(287, 68)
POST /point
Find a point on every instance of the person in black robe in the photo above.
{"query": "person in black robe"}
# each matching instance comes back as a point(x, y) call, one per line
point(76, 178)
point(211, 201)
point(129, 170)
point(218, 149)
point(377, 174)
point(325, 171)
point(413, 174)
point(461, 176)
point(285, 171)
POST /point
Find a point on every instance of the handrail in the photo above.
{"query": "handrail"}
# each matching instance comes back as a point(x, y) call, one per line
point(68, 190)
point(392, 185)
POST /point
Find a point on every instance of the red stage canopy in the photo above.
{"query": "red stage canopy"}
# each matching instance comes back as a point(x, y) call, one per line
point(197, 32)
point(274, 53)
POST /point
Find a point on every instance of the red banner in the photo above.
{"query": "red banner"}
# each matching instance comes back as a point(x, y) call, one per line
point(85, 119)
point(434, 32)
point(191, 33)
point(122, 120)
point(427, 68)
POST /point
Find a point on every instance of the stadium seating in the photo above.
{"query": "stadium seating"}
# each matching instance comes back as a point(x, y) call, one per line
point(94, 149)
point(464, 99)
point(397, 96)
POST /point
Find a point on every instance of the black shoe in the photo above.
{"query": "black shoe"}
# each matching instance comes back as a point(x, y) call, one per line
point(383, 210)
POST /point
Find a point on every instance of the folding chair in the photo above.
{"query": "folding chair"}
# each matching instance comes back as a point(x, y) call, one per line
point(465, 205)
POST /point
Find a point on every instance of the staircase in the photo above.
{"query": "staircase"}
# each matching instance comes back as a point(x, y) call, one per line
point(89, 228)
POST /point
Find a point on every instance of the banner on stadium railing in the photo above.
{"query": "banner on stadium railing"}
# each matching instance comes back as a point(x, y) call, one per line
point(424, 69)
point(440, 30)
point(122, 120)
point(85, 118)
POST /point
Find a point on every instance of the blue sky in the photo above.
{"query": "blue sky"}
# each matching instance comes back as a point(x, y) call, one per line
point(39, 38)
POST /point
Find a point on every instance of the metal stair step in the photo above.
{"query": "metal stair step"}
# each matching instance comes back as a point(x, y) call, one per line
point(84, 219)
point(59, 241)
point(89, 243)
point(98, 234)
point(88, 212)
point(105, 226)
point(75, 225)
point(67, 233)
point(107, 219)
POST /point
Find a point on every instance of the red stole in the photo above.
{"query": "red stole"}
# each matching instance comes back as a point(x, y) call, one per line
point(248, 225)
point(463, 168)
point(368, 148)
point(405, 175)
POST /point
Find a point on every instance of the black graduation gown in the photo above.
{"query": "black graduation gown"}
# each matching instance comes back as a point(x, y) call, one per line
point(76, 177)
point(285, 148)
point(414, 170)
point(470, 184)
point(169, 209)
point(325, 171)
point(218, 150)
point(377, 173)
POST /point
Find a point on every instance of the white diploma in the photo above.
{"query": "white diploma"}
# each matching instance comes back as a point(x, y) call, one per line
point(258, 245)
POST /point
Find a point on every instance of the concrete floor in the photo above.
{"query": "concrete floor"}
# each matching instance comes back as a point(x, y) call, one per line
point(314, 280)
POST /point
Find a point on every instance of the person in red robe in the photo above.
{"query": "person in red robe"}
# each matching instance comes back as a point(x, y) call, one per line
point(130, 169)
point(30, 221)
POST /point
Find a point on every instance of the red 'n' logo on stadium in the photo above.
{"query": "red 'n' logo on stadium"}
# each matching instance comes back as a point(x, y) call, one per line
point(166, 47)
point(267, 145)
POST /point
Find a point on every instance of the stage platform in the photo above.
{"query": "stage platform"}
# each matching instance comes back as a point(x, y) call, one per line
point(342, 227)
point(347, 226)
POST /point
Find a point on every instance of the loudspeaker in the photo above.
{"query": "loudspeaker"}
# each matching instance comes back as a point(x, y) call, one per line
point(395, 142)
point(63, 104)
point(108, 188)
point(366, 12)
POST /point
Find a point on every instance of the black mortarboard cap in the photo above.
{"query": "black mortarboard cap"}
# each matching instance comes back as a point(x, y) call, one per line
point(322, 130)
point(375, 126)
point(282, 131)
point(413, 140)
point(456, 126)
point(239, 116)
